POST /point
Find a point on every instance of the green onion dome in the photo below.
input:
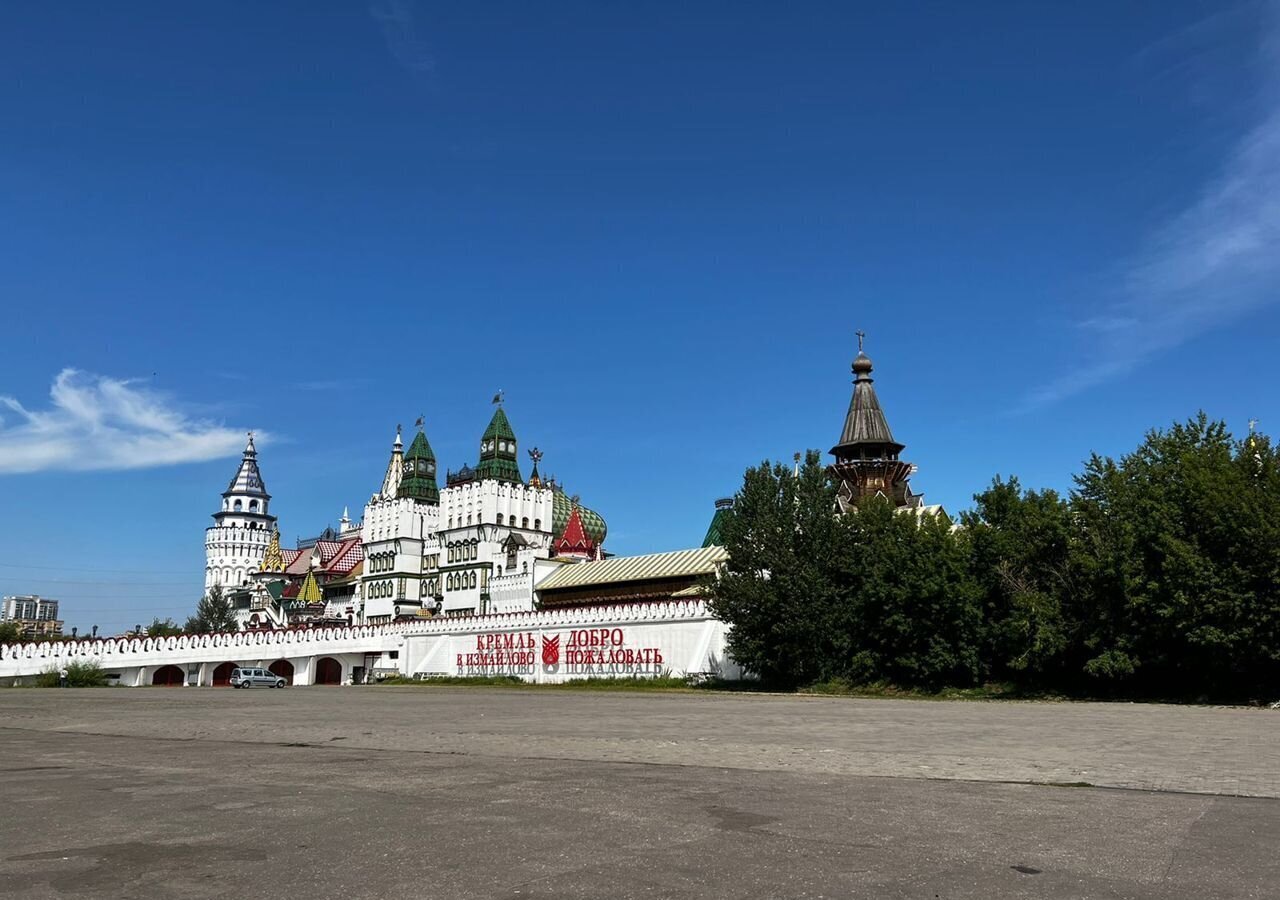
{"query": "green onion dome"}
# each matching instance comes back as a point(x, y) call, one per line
point(592, 522)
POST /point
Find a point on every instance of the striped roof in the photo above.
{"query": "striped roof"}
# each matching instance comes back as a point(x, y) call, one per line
point(676, 564)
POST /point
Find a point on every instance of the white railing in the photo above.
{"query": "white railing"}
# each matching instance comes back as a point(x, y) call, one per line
point(308, 641)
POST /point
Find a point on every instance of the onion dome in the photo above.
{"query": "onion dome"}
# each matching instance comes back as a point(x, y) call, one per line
point(562, 507)
point(498, 451)
point(418, 481)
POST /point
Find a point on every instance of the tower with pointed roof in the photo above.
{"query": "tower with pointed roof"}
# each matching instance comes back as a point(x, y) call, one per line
point(237, 542)
point(398, 521)
point(498, 460)
point(395, 468)
point(418, 481)
point(868, 460)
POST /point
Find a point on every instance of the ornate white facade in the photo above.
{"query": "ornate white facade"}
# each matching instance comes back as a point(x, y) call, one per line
point(475, 547)
point(236, 543)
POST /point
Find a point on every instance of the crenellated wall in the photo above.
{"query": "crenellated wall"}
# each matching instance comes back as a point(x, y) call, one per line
point(632, 640)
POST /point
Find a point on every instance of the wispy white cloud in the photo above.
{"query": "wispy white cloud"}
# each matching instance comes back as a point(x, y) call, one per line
point(400, 31)
point(1207, 265)
point(96, 423)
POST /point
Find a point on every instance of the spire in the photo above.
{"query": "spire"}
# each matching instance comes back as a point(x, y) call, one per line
point(535, 480)
point(418, 481)
point(498, 450)
point(310, 590)
point(395, 468)
point(345, 522)
point(866, 433)
point(248, 480)
point(575, 541)
point(867, 458)
point(274, 560)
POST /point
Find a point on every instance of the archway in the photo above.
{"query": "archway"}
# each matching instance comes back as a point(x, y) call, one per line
point(282, 668)
point(222, 675)
point(169, 676)
point(328, 671)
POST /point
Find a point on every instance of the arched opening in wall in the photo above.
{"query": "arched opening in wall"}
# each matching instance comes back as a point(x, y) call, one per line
point(328, 671)
point(282, 668)
point(222, 675)
point(169, 676)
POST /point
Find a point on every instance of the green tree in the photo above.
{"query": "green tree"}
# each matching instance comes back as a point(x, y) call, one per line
point(1182, 548)
point(163, 628)
point(777, 590)
point(1023, 550)
point(9, 633)
point(872, 595)
point(912, 612)
point(213, 614)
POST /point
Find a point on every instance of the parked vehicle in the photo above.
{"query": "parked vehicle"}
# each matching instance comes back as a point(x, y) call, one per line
point(246, 678)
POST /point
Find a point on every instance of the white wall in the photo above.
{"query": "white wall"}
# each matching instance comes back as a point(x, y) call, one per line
point(634, 640)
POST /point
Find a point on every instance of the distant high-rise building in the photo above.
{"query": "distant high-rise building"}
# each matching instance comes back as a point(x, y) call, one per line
point(34, 615)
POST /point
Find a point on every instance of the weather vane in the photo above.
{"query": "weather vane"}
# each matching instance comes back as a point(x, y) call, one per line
point(861, 335)
point(536, 455)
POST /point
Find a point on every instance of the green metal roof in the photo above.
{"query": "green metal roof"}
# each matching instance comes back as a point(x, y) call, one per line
point(498, 451)
point(715, 535)
point(499, 426)
point(419, 479)
point(677, 564)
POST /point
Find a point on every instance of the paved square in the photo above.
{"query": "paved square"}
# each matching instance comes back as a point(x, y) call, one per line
point(468, 792)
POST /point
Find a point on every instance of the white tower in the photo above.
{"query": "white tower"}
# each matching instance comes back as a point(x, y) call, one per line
point(236, 543)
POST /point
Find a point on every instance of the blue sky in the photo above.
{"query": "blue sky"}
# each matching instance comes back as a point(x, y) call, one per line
point(655, 226)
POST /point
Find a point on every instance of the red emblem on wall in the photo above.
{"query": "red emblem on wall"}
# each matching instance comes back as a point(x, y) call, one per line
point(550, 650)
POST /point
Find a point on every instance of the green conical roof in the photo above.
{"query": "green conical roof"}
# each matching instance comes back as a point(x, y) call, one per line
point(419, 479)
point(499, 426)
point(498, 451)
point(715, 535)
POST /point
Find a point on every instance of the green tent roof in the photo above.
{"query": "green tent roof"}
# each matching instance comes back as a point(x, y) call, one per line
point(419, 479)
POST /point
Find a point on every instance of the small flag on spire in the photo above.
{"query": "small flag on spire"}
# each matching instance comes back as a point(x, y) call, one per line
point(422, 420)
point(497, 398)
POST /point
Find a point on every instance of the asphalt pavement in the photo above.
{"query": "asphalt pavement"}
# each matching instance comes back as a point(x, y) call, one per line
point(469, 792)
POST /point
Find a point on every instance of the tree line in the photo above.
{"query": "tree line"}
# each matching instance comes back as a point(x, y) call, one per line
point(1157, 575)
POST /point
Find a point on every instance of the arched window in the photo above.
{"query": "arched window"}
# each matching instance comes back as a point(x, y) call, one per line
point(537, 524)
point(253, 506)
point(499, 518)
point(473, 580)
point(524, 523)
point(236, 506)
